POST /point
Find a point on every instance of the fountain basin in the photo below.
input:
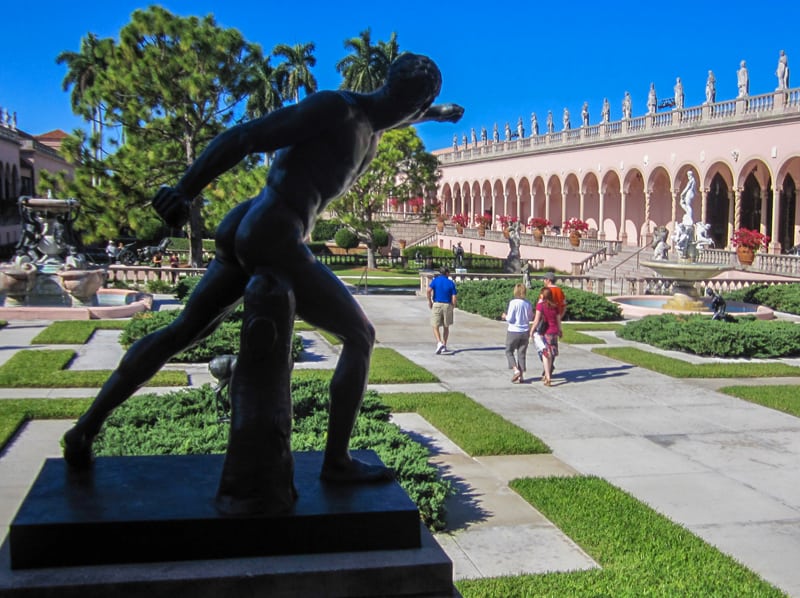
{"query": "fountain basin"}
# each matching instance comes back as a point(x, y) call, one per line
point(111, 304)
point(638, 306)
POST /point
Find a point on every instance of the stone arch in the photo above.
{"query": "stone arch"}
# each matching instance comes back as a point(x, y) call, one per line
point(717, 205)
point(539, 197)
point(509, 198)
point(787, 179)
point(572, 197)
point(754, 209)
point(525, 200)
point(659, 188)
point(554, 201)
point(611, 201)
point(590, 189)
point(635, 227)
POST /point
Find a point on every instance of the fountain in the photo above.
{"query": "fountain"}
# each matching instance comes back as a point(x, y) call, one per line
point(688, 238)
point(47, 278)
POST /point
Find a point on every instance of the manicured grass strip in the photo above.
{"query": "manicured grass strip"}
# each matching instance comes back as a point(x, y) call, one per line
point(15, 412)
point(74, 332)
point(573, 336)
point(45, 369)
point(641, 552)
point(678, 368)
point(784, 398)
point(477, 430)
point(387, 367)
point(301, 326)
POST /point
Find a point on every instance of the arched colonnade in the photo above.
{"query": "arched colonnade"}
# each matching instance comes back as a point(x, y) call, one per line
point(627, 205)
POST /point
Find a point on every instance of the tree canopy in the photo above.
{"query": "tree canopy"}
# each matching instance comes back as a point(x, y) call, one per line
point(402, 169)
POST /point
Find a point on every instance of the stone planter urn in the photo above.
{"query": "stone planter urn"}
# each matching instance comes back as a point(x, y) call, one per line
point(459, 229)
point(538, 234)
point(745, 255)
point(481, 230)
point(575, 238)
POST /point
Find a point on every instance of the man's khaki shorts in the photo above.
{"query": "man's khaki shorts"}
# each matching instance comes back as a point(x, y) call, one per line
point(442, 314)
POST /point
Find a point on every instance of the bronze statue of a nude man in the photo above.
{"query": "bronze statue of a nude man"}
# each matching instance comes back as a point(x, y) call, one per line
point(322, 145)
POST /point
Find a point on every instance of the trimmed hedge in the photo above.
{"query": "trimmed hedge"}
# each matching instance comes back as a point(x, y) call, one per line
point(489, 298)
point(742, 337)
point(223, 341)
point(780, 297)
point(186, 422)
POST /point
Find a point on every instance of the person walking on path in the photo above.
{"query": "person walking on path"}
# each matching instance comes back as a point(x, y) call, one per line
point(547, 309)
point(321, 146)
point(561, 302)
point(518, 315)
point(442, 298)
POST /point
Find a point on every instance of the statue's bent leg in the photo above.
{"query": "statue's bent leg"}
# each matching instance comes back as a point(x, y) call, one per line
point(258, 475)
point(322, 300)
point(213, 298)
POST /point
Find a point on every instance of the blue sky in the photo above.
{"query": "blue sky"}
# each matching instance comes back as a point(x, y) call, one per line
point(500, 60)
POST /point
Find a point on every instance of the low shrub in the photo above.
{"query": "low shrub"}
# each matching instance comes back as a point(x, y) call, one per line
point(185, 422)
point(158, 286)
point(223, 341)
point(743, 337)
point(185, 286)
point(489, 298)
point(780, 297)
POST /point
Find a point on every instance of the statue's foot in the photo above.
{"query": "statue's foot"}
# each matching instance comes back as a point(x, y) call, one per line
point(78, 449)
point(355, 472)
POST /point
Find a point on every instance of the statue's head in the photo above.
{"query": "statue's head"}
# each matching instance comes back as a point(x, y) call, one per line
point(413, 81)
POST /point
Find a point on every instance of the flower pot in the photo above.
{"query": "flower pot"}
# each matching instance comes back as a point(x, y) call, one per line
point(745, 255)
point(459, 229)
point(440, 226)
point(538, 234)
point(481, 231)
point(575, 239)
point(505, 232)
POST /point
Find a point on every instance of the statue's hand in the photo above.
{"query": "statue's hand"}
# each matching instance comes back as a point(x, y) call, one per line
point(172, 206)
point(451, 113)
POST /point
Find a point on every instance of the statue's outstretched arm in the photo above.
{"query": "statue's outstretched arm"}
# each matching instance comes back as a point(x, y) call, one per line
point(281, 128)
point(442, 113)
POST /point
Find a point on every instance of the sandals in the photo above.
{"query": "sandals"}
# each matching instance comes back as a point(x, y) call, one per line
point(517, 377)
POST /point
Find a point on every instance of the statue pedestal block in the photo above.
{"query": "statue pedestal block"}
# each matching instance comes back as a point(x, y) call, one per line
point(134, 526)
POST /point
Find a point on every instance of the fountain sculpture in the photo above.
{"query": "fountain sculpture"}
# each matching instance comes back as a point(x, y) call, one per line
point(688, 238)
point(47, 271)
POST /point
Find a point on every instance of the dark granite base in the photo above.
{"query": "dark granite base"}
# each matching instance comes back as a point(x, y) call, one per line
point(419, 572)
point(157, 509)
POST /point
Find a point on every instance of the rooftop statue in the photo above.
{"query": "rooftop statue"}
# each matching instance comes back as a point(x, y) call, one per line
point(711, 88)
point(743, 80)
point(679, 95)
point(652, 101)
point(606, 114)
point(627, 106)
point(321, 146)
point(782, 71)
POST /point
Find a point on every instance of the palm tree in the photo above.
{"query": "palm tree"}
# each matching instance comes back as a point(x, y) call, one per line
point(83, 68)
point(365, 69)
point(295, 71)
point(266, 94)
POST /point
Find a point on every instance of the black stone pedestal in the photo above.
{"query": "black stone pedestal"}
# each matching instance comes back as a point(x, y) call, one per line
point(136, 526)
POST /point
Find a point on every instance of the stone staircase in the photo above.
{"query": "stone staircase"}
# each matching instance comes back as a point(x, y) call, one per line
point(622, 266)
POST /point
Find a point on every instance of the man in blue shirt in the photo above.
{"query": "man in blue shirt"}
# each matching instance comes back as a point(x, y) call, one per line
point(441, 301)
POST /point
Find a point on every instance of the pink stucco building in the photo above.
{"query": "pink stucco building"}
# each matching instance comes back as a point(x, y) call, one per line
point(625, 177)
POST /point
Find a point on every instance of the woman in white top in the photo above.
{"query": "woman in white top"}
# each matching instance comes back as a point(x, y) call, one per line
point(518, 315)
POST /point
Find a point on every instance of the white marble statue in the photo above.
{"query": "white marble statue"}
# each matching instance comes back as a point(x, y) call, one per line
point(652, 101)
point(743, 80)
point(711, 88)
point(783, 71)
point(687, 197)
point(679, 95)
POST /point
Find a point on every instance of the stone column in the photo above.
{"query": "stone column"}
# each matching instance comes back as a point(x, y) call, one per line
point(774, 244)
point(737, 208)
point(601, 233)
point(623, 236)
point(648, 235)
point(762, 224)
point(703, 204)
point(676, 200)
point(547, 204)
point(583, 202)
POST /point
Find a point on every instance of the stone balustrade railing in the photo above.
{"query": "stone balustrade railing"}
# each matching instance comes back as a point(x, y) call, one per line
point(770, 105)
point(141, 275)
point(597, 258)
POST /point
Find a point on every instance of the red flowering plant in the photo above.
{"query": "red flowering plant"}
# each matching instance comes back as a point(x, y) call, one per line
point(752, 239)
point(460, 219)
point(483, 220)
point(575, 224)
point(393, 202)
point(506, 220)
point(415, 202)
point(539, 222)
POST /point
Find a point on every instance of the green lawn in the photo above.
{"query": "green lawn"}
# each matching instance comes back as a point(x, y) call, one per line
point(677, 368)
